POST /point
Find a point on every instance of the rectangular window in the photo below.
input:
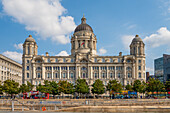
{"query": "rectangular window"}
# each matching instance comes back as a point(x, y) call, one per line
point(72, 60)
point(118, 75)
point(103, 60)
point(48, 75)
point(139, 75)
point(139, 61)
point(95, 59)
point(111, 59)
point(49, 60)
point(129, 75)
point(111, 75)
point(72, 75)
point(64, 75)
point(27, 67)
point(119, 60)
point(56, 75)
point(139, 68)
point(27, 75)
point(39, 75)
point(56, 60)
point(28, 61)
point(64, 60)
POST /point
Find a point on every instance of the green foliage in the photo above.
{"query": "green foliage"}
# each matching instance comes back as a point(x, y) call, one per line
point(114, 85)
point(81, 86)
point(143, 87)
point(54, 89)
point(167, 85)
point(23, 88)
point(46, 88)
point(66, 87)
point(137, 86)
point(98, 87)
point(29, 86)
point(11, 87)
point(1, 88)
point(154, 85)
point(129, 87)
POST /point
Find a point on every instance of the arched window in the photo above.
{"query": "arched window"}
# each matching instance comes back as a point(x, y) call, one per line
point(84, 68)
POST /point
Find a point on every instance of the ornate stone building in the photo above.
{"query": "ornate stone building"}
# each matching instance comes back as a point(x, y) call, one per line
point(9, 69)
point(83, 61)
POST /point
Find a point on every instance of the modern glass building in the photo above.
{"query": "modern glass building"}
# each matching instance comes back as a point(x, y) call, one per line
point(162, 68)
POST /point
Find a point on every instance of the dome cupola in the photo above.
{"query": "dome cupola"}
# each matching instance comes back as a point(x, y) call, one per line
point(137, 39)
point(29, 39)
point(83, 26)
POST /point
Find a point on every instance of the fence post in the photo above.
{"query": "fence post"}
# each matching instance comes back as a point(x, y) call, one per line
point(12, 105)
point(22, 106)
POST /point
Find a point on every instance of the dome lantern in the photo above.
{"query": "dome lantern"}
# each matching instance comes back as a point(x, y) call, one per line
point(83, 26)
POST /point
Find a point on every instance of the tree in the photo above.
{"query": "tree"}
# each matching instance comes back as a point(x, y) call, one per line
point(114, 86)
point(81, 86)
point(129, 87)
point(167, 86)
point(46, 88)
point(158, 86)
point(151, 85)
point(1, 88)
point(66, 87)
point(23, 88)
point(137, 86)
point(98, 87)
point(55, 88)
point(154, 85)
point(30, 86)
point(11, 87)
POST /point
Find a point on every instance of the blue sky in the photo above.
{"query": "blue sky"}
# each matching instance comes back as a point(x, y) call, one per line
point(115, 23)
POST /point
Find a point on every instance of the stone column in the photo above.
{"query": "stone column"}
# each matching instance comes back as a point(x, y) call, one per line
point(133, 71)
point(68, 72)
point(34, 74)
point(99, 73)
point(115, 73)
point(43, 72)
point(60, 71)
point(76, 72)
point(76, 44)
point(52, 76)
point(86, 41)
point(107, 71)
point(91, 72)
point(79, 72)
point(124, 71)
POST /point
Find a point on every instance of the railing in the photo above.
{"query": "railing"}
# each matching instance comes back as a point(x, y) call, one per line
point(56, 104)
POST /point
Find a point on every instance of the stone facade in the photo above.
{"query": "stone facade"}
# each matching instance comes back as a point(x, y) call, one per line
point(10, 69)
point(83, 61)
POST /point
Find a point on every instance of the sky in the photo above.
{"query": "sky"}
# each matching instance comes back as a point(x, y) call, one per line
point(114, 22)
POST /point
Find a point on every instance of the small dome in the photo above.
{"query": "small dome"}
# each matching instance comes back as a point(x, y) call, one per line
point(29, 39)
point(137, 39)
point(83, 26)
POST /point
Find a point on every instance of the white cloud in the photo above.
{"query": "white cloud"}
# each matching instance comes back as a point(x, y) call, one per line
point(13, 55)
point(45, 17)
point(63, 53)
point(18, 46)
point(162, 37)
point(131, 26)
point(102, 51)
point(126, 40)
point(150, 70)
